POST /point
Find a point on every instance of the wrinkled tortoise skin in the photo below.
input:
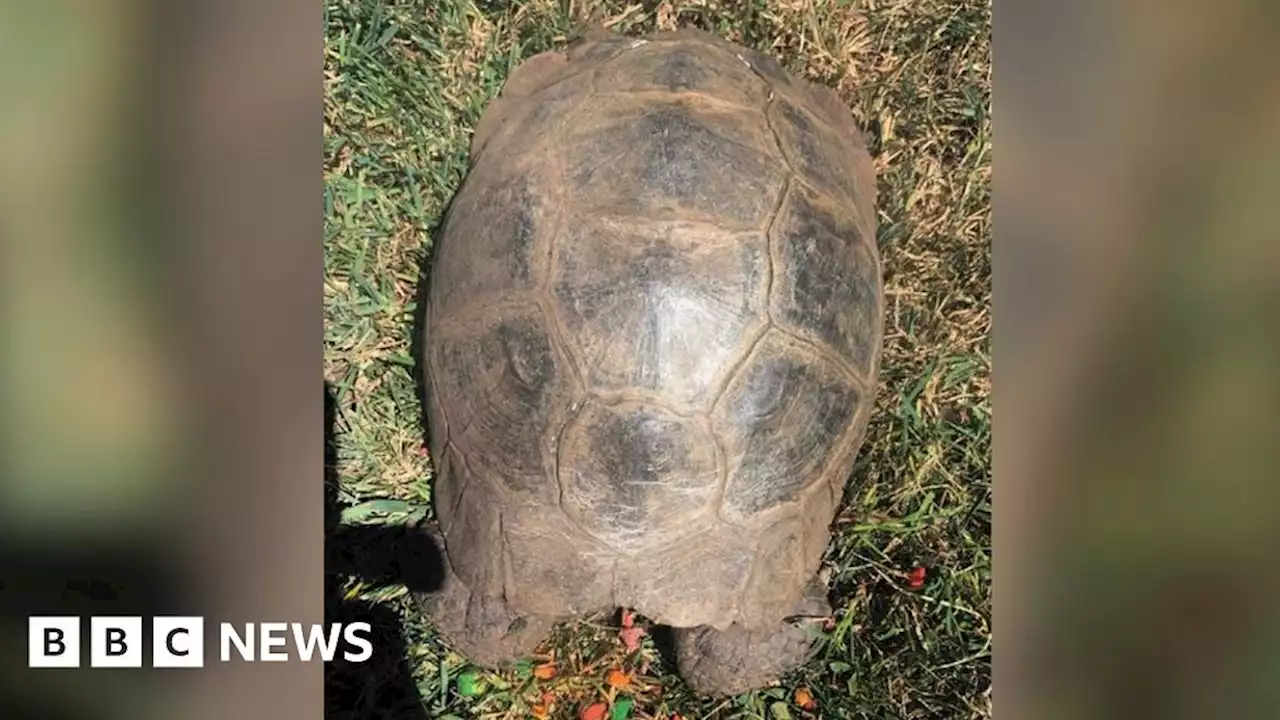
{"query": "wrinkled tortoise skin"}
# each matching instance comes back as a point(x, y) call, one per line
point(652, 339)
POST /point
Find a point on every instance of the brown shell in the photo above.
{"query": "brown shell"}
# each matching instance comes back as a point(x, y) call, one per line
point(653, 333)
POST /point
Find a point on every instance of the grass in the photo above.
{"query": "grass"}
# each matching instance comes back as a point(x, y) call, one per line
point(405, 84)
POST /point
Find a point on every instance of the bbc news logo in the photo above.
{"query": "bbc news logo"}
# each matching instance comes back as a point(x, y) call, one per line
point(179, 642)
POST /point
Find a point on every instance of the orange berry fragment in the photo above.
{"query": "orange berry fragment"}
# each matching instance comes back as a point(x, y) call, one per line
point(595, 711)
point(546, 671)
point(618, 679)
point(805, 699)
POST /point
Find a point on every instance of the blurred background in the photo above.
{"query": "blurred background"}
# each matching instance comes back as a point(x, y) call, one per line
point(1136, 284)
point(159, 238)
point(161, 398)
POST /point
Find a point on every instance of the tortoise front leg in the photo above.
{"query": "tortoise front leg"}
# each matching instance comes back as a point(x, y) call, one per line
point(479, 624)
point(739, 658)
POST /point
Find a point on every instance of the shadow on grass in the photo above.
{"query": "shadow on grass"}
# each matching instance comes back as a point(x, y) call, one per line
point(382, 687)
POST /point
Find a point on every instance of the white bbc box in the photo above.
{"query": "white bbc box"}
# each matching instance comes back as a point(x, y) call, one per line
point(53, 642)
point(177, 642)
point(115, 642)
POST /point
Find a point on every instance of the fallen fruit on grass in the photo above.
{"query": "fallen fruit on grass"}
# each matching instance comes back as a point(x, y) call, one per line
point(546, 671)
point(917, 578)
point(595, 711)
point(622, 709)
point(618, 679)
point(470, 684)
point(630, 637)
point(805, 699)
point(630, 634)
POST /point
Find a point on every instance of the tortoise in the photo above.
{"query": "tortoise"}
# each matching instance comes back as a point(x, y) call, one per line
point(651, 348)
